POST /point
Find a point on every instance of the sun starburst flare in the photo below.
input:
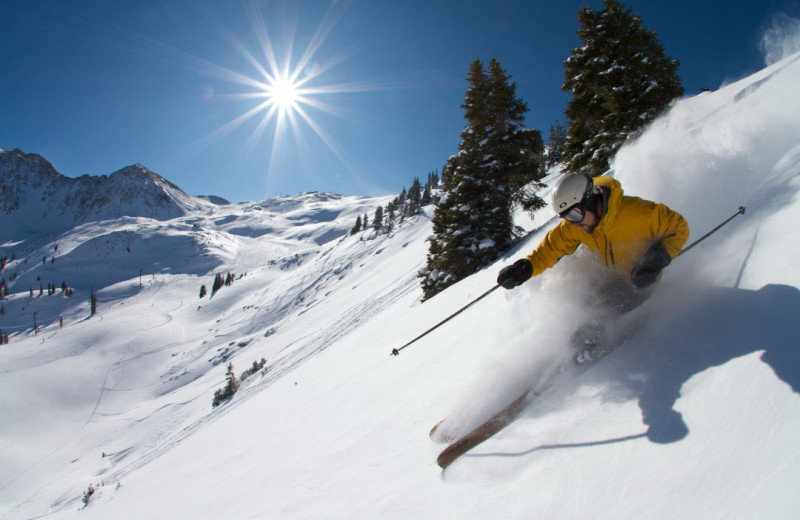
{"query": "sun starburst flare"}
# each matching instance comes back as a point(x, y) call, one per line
point(284, 93)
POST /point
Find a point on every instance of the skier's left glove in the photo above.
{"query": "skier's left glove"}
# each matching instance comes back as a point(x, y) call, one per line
point(649, 267)
point(515, 274)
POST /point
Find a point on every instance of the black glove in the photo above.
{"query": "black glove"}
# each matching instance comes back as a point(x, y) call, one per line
point(649, 267)
point(515, 274)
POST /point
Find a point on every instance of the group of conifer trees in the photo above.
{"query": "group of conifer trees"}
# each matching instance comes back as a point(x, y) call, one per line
point(405, 205)
point(219, 283)
point(232, 383)
point(620, 80)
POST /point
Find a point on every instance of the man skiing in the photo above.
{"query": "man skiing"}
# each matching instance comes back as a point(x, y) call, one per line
point(633, 237)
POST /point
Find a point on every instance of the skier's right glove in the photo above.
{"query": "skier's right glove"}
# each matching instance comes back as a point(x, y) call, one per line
point(647, 271)
point(515, 274)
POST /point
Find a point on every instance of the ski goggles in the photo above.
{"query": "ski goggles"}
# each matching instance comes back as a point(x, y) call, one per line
point(574, 214)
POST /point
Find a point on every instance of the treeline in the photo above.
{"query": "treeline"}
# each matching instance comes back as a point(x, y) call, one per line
point(51, 289)
point(51, 286)
point(407, 204)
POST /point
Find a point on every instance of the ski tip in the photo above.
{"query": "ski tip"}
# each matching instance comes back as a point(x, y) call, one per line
point(444, 460)
point(440, 435)
point(450, 454)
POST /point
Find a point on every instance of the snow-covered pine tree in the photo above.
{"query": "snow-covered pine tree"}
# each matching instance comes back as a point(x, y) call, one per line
point(517, 152)
point(497, 156)
point(620, 79)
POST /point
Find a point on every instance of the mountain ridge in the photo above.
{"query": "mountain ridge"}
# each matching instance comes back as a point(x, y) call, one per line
point(35, 199)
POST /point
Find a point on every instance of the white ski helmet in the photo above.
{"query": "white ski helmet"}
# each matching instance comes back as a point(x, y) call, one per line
point(571, 190)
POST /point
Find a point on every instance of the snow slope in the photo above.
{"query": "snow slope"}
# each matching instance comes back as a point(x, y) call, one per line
point(696, 416)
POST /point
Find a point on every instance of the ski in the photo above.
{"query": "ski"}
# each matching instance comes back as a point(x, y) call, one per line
point(496, 423)
point(508, 414)
point(437, 436)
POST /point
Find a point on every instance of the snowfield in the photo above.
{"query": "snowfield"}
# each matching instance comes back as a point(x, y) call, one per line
point(696, 416)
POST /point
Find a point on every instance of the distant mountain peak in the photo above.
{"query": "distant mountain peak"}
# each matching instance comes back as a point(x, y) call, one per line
point(40, 200)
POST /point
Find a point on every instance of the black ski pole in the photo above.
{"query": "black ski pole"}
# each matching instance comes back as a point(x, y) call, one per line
point(740, 212)
point(396, 351)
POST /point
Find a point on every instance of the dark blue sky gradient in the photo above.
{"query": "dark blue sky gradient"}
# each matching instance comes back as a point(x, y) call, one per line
point(95, 85)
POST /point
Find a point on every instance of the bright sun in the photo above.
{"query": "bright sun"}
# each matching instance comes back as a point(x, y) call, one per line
point(283, 93)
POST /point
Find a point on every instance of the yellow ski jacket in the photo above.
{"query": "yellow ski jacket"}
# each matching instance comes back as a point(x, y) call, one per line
point(628, 228)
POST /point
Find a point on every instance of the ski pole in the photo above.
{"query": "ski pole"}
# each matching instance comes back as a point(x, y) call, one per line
point(740, 212)
point(396, 351)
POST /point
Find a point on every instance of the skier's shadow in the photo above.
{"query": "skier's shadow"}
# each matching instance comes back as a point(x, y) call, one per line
point(726, 324)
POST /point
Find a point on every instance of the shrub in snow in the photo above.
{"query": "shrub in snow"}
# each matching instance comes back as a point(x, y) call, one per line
point(87, 495)
point(231, 387)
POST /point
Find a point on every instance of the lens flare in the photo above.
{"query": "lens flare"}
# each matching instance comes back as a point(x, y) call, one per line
point(283, 93)
point(279, 90)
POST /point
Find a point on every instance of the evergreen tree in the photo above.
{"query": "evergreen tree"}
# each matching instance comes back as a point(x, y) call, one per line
point(427, 195)
point(516, 152)
point(497, 156)
point(390, 213)
point(231, 387)
point(203, 291)
point(377, 222)
point(414, 197)
point(92, 303)
point(555, 145)
point(620, 80)
point(218, 283)
point(388, 220)
point(357, 226)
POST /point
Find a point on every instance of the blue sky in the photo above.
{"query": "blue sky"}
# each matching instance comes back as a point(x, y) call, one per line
point(94, 85)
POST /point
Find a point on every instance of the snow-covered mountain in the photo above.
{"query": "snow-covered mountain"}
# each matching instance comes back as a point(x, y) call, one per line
point(696, 416)
point(37, 200)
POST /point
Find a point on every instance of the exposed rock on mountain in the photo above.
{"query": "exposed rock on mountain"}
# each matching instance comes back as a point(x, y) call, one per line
point(35, 199)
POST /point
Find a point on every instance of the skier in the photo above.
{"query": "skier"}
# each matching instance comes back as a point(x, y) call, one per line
point(633, 237)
